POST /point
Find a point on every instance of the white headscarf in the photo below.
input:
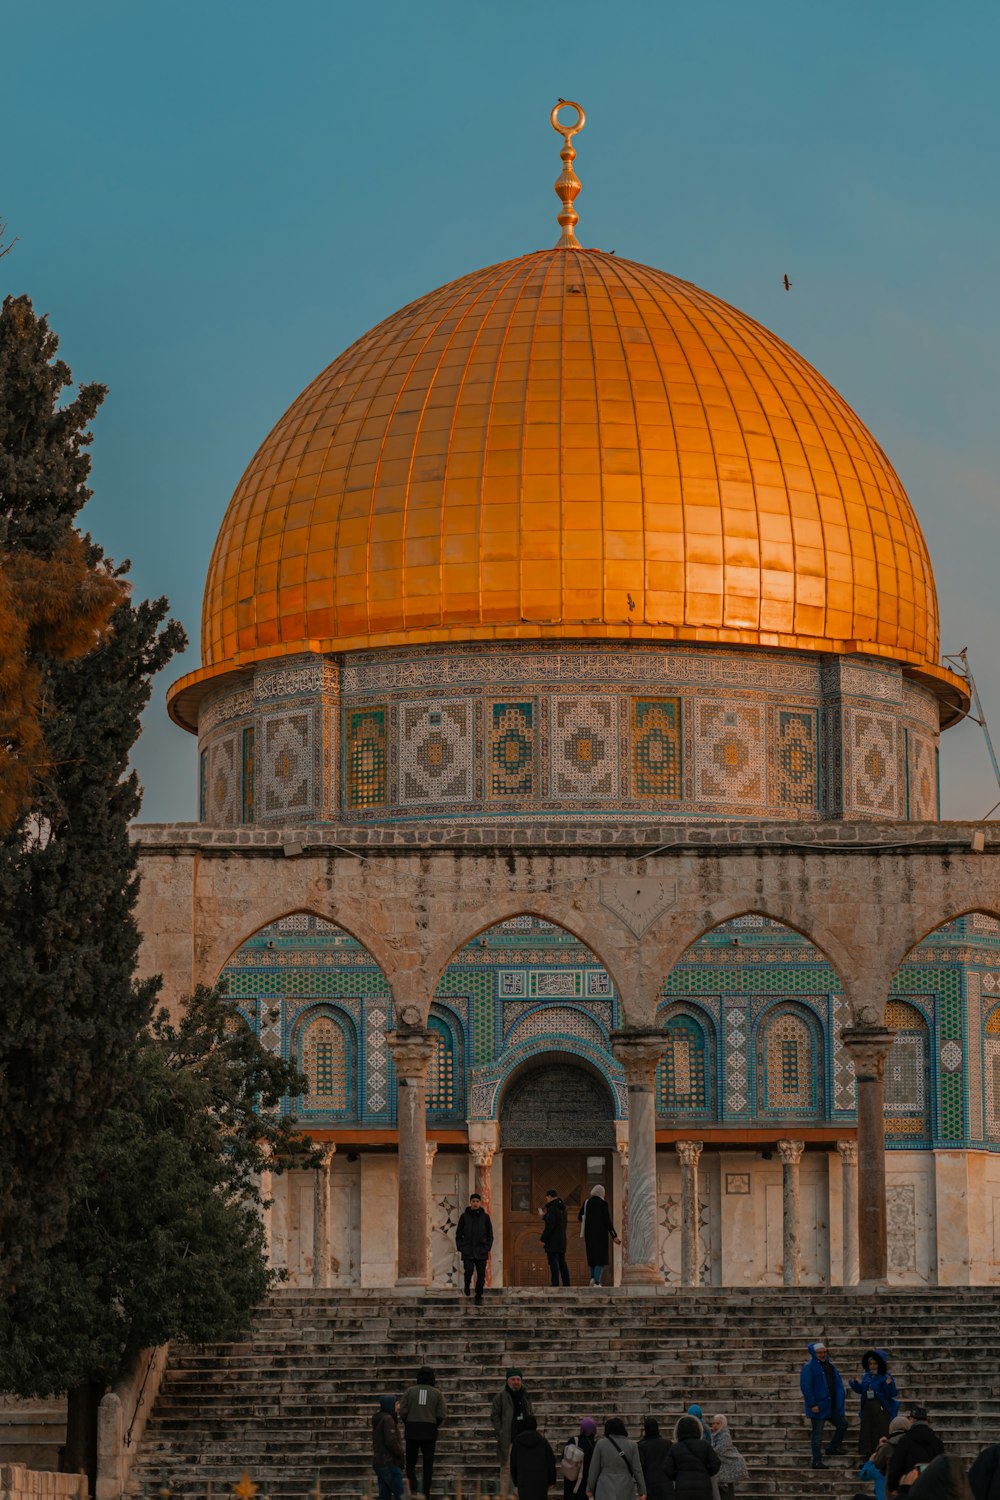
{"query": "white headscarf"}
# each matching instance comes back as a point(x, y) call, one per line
point(597, 1191)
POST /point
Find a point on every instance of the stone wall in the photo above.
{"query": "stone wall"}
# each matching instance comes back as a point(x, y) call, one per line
point(20, 1483)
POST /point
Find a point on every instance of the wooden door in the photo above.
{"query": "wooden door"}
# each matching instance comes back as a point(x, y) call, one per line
point(527, 1177)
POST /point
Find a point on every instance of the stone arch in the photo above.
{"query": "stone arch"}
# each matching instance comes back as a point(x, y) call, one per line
point(286, 914)
point(498, 912)
point(553, 1098)
point(302, 964)
point(803, 923)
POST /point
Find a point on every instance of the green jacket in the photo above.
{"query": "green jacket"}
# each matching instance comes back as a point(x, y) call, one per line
point(422, 1410)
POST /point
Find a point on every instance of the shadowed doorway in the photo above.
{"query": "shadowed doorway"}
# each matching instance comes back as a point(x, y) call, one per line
point(557, 1131)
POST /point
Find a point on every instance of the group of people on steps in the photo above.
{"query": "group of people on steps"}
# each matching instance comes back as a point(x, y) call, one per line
point(474, 1238)
point(901, 1455)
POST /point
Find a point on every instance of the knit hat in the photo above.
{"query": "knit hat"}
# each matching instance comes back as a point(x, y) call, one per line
point(512, 1372)
point(588, 1426)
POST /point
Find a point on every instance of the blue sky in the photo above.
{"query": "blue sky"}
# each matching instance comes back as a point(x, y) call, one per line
point(212, 200)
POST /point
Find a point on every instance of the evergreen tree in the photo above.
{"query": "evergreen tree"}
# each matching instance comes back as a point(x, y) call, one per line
point(164, 1237)
point(69, 1005)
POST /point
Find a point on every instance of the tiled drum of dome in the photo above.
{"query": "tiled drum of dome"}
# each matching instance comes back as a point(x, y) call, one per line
point(921, 757)
point(223, 782)
point(287, 762)
point(249, 774)
point(656, 747)
point(510, 750)
point(874, 774)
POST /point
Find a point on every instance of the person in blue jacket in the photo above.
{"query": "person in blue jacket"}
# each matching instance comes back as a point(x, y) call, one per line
point(823, 1398)
point(879, 1400)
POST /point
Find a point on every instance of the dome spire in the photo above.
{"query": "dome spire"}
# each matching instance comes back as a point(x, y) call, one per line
point(567, 183)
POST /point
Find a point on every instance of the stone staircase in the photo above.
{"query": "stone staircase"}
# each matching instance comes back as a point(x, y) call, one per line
point(296, 1399)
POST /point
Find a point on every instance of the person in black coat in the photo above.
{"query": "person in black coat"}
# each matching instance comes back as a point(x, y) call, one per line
point(532, 1462)
point(917, 1446)
point(691, 1462)
point(598, 1232)
point(653, 1450)
point(474, 1241)
point(984, 1476)
point(554, 1236)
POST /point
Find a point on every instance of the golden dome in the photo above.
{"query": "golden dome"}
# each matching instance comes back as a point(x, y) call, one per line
point(567, 445)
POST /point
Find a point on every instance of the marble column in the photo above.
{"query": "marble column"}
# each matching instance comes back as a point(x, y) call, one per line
point(868, 1046)
point(321, 1216)
point(790, 1153)
point(482, 1155)
point(848, 1151)
point(621, 1145)
point(639, 1052)
point(412, 1049)
point(689, 1153)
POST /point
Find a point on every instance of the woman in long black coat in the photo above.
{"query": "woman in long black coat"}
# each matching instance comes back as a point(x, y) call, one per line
point(691, 1462)
point(598, 1232)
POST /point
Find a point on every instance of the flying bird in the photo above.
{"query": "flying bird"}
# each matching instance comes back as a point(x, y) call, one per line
point(788, 284)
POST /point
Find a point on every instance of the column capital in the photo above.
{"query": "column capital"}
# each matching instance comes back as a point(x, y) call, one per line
point(869, 1047)
point(689, 1152)
point(482, 1154)
point(412, 1050)
point(848, 1152)
point(639, 1052)
point(790, 1152)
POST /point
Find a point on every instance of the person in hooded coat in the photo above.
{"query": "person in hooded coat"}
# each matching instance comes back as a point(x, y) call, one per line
point(920, 1444)
point(943, 1479)
point(616, 1470)
point(422, 1410)
point(732, 1464)
point(984, 1476)
point(691, 1462)
point(653, 1450)
point(532, 1462)
point(585, 1440)
point(598, 1232)
point(823, 1398)
point(387, 1449)
point(879, 1400)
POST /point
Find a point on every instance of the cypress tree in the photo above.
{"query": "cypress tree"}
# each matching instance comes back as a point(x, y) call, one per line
point(69, 1004)
point(164, 1237)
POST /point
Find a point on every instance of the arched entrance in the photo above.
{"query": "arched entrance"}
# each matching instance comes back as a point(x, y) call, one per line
point(556, 1131)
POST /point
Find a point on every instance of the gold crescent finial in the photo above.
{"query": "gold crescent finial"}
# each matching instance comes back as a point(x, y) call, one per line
point(567, 183)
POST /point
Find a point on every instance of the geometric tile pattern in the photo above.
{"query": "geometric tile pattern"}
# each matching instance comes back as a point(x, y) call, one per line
point(656, 747)
point(441, 1074)
point(797, 758)
point(584, 747)
point(737, 1060)
point(324, 1062)
point(682, 1075)
point(844, 1086)
point(906, 1067)
point(436, 752)
point(510, 750)
point(730, 753)
point(249, 775)
point(366, 781)
point(557, 1020)
point(223, 782)
point(921, 777)
point(874, 764)
point(973, 1011)
point(788, 1065)
point(287, 763)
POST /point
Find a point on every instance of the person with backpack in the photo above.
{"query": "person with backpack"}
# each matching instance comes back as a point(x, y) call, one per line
point(653, 1450)
point(597, 1232)
point(691, 1462)
point(532, 1462)
point(422, 1410)
point(615, 1471)
point(575, 1461)
point(554, 1237)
